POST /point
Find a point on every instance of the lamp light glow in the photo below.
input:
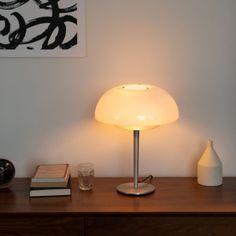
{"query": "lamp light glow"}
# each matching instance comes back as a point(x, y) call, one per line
point(136, 107)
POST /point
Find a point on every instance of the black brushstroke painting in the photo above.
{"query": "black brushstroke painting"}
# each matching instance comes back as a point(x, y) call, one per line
point(49, 29)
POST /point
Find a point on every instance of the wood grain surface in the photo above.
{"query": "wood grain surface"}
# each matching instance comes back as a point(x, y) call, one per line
point(172, 195)
point(161, 226)
point(43, 225)
point(178, 207)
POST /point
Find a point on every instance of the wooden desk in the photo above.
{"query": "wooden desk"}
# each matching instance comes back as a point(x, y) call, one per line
point(179, 206)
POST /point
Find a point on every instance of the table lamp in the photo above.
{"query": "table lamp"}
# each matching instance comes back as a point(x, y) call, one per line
point(136, 107)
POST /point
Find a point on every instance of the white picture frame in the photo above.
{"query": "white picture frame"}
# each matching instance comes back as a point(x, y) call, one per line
point(59, 27)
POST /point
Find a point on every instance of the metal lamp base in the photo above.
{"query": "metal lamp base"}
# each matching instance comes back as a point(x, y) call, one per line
point(128, 189)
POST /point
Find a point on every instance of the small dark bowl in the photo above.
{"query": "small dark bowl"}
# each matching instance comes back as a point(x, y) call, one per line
point(7, 172)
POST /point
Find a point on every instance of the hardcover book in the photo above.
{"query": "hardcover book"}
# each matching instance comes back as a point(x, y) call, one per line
point(51, 176)
point(50, 192)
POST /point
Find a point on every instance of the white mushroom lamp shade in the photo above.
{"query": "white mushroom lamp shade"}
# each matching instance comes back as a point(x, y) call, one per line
point(136, 107)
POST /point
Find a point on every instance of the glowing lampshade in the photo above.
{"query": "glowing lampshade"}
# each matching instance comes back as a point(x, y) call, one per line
point(136, 107)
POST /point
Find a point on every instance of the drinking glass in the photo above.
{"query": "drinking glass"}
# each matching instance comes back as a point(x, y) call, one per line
point(85, 176)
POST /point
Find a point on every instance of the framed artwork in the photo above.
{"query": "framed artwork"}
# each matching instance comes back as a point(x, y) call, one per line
point(42, 28)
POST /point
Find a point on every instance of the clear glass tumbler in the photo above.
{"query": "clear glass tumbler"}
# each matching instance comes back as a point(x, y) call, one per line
point(85, 176)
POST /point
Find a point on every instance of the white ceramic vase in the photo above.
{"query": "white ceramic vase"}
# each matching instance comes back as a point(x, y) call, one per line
point(209, 168)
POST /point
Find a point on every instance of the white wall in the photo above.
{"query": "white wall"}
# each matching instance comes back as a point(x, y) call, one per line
point(184, 46)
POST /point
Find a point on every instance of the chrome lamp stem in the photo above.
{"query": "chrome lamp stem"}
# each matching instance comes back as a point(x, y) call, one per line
point(136, 157)
point(136, 188)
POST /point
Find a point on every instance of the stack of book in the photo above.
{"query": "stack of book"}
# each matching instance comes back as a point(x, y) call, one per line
point(51, 180)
